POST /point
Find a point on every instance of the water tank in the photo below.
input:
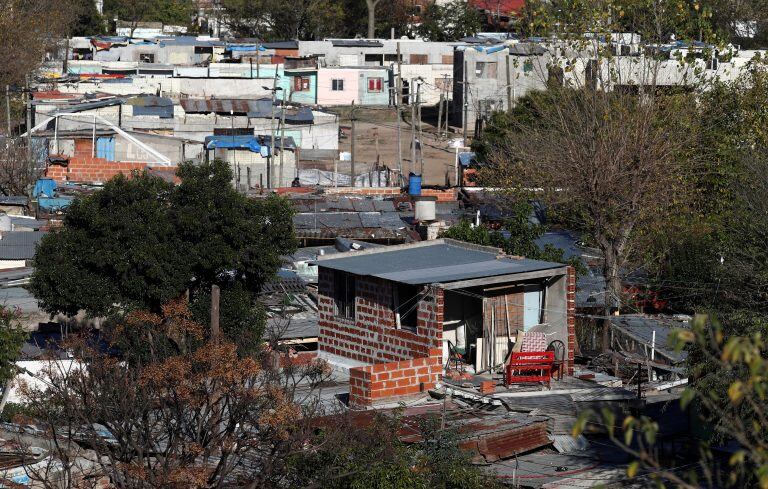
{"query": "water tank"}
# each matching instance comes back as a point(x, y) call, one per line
point(5, 223)
point(424, 208)
point(414, 184)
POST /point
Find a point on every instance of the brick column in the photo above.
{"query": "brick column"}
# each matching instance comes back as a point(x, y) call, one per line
point(571, 317)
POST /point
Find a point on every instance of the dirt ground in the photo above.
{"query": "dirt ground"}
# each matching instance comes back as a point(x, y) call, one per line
point(439, 158)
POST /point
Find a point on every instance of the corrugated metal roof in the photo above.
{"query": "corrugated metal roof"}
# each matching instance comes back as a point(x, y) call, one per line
point(434, 262)
point(641, 328)
point(14, 200)
point(281, 45)
point(19, 245)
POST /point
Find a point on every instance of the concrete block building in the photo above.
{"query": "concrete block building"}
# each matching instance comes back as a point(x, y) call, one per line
point(391, 315)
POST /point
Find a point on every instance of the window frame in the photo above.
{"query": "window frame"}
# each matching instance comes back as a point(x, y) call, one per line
point(337, 84)
point(344, 295)
point(299, 84)
point(377, 81)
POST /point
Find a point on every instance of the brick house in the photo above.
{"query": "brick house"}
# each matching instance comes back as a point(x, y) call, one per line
point(389, 314)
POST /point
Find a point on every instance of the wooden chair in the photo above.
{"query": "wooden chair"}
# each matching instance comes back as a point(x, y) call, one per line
point(529, 367)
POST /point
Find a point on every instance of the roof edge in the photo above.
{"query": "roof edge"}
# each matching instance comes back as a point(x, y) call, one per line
point(384, 249)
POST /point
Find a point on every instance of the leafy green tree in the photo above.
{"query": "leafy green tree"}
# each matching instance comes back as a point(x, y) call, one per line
point(88, 22)
point(169, 12)
point(517, 237)
point(270, 20)
point(139, 243)
point(449, 22)
point(365, 452)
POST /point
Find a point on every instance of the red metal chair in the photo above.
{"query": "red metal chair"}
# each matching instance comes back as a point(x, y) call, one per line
point(529, 366)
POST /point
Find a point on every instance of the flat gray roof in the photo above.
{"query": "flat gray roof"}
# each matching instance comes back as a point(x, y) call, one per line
point(437, 261)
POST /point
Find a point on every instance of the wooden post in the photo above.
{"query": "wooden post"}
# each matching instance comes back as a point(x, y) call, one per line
point(509, 87)
point(352, 144)
point(215, 328)
point(440, 115)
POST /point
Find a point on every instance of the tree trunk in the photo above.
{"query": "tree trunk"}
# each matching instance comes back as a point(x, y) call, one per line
point(613, 290)
point(371, 17)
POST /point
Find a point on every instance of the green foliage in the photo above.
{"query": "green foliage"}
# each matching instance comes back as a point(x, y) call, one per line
point(728, 368)
point(169, 12)
point(654, 21)
point(139, 243)
point(12, 337)
point(13, 410)
point(449, 22)
point(88, 21)
point(371, 456)
point(519, 239)
point(312, 19)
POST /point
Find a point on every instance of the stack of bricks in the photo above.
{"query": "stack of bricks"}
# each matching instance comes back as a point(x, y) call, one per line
point(371, 336)
point(487, 387)
point(387, 382)
point(571, 318)
point(88, 169)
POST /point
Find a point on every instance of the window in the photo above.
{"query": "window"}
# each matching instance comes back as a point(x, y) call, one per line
point(391, 58)
point(301, 83)
point(447, 59)
point(527, 66)
point(203, 49)
point(485, 69)
point(419, 59)
point(375, 84)
point(344, 294)
point(146, 58)
point(337, 85)
point(374, 59)
point(406, 304)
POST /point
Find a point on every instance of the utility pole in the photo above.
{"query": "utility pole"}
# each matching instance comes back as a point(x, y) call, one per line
point(282, 141)
point(413, 128)
point(465, 102)
point(421, 137)
point(272, 133)
point(29, 123)
point(440, 117)
point(398, 101)
point(352, 143)
point(509, 86)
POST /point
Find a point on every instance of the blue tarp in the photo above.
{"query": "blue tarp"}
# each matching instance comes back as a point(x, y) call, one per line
point(45, 187)
point(466, 158)
point(250, 143)
point(243, 47)
point(54, 204)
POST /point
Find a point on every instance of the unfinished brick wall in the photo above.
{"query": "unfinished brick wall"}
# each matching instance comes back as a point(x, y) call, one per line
point(88, 169)
point(571, 317)
point(387, 382)
point(371, 336)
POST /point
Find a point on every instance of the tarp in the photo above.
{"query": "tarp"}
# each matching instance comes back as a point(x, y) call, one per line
point(250, 143)
point(45, 187)
point(242, 47)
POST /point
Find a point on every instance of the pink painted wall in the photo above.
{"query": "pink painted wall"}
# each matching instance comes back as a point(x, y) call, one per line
point(325, 93)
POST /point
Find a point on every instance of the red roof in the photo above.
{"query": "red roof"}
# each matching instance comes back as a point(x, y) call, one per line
point(501, 6)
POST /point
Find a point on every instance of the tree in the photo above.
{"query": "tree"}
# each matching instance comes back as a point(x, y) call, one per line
point(142, 242)
point(88, 22)
point(449, 22)
point(605, 163)
point(12, 338)
point(168, 12)
point(371, 4)
point(517, 236)
point(27, 31)
point(190, 414)
point(270, 20)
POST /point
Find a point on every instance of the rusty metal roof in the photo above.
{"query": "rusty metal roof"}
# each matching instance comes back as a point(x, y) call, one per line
point(220, 106)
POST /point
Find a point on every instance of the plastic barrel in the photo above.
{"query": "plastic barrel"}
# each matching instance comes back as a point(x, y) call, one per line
point(414, 184)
